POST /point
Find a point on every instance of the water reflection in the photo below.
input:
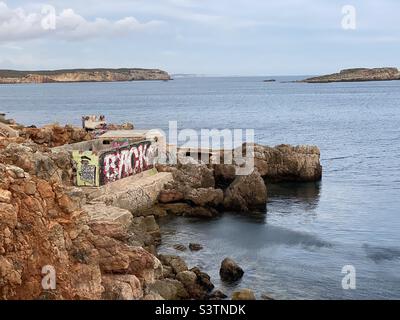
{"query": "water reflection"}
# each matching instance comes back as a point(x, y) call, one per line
point(380, 254)
point(304, 196)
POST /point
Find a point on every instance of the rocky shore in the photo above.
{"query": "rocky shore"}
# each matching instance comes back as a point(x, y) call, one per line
point(102, 249)
point(357, 75)
point(82, 75)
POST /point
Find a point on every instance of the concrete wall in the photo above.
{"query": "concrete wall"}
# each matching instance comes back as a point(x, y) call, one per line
point(99, 165)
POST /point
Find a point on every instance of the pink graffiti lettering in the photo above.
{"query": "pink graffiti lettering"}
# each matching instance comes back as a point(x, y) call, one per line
point(125, 162)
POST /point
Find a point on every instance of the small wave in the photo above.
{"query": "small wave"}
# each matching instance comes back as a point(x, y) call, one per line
point(379, 254)
point(338, 158)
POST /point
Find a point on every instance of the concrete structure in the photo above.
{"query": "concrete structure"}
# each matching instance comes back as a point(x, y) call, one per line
point(93, 122)
point(136, 193)
point(113, 156)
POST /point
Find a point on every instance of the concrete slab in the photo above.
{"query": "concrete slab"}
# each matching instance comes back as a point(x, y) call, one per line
point(135, 193)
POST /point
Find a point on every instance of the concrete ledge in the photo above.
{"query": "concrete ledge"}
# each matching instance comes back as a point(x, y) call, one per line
point(136, 193)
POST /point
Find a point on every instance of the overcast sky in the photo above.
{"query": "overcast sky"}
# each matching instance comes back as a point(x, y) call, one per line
point(216, 37)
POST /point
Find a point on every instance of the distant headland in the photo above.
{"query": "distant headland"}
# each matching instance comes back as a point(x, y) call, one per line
point(82, 75)
point(358, 74)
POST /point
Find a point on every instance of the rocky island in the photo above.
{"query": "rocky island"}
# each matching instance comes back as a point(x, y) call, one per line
point(357, 75)
point(82, 75)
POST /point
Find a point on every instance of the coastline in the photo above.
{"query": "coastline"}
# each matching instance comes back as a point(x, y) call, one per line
point(83, 75)
point(126, 228)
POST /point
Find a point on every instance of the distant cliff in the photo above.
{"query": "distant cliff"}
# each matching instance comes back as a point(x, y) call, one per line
point(359, 74)
point(82, 75)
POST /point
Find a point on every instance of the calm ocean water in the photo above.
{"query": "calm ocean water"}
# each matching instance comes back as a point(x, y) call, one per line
point(297, 250)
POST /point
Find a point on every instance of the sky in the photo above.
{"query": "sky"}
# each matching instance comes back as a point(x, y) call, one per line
point(209, 37)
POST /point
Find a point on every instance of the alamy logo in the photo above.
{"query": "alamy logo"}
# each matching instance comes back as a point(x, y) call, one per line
point(49, 278)
point(349, 280)
point(48, 22)
point(208, 146)
point(349, 20)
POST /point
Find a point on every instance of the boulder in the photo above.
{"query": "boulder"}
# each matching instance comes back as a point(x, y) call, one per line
point(5, 196)
point(176, 263)
point(246, 193)
point(195, 247)
point(230, 270)
point(168, 272)
point(265, 296)
point(153, 297)
point(217, 295)
point(202, 212)
point(55, 135)
point(243, 294)
point(205, 197)
point(288, 163)
point(149, 225)
point(180, 247)
point(121, 287)
point(203, 279)
point(168, 289)
point(224, 175)
point(190, 281)
point(177, 209)
point(108, 216)
point(192, 176)
point(170, 196)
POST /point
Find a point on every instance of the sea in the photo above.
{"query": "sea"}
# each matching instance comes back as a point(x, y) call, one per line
point(334, 239)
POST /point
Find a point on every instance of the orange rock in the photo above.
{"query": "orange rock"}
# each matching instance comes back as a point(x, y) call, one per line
point(66, 204)
point(45, 189)
point(30, 188)
point(5, 196)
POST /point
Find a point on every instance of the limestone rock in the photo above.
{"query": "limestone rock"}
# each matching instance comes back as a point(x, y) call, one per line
point(246, 193)
point(192, 176)
point(5, 196)
point(206, 197)
point(224, 175)
point(149, 225)
point(217, 295)
point(180, 247)
point(288, 163)
point(153, 297)
point(265, 296)
point(101, 212)
point(121, 287)
point(203, 279)
point(243, 294)
point(195, 247)
point(55, 135)
point(42, 224)
point(169, 289)
point(176, 263)
point(170, 196)
point(190, 281)
point(202, 212)
point(230, 271)
point(177, 209)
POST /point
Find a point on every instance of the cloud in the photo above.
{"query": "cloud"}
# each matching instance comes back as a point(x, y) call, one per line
point(18, 24)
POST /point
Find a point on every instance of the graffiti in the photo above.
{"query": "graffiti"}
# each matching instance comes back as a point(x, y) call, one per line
point(87, 168)
point(126, 161)
point(88, 173)
point(115, 164)
point(119, 143)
